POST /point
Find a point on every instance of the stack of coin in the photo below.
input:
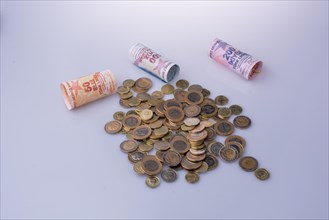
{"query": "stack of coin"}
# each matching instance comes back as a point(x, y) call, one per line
point(182, 131)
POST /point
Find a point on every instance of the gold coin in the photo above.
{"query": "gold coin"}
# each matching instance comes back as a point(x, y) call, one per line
point(195, 87)
point(156, 124)
point(126, 95)
point(172, 102)
point(128, 146)
point(143, 97)
point(146, 114)
point(161, 145)
point(215, 147)
point(189, 165)
point(157, 94)
point(145, 147)
point(191, 121)
point(184, 127)
point(248, 164)
point(172, 158)
point(242, 122)
point(124, 103)
point(221, 100)
point(205, 92)
point(174, 114)
point(123, 90)
point(192, 110)
point(131, 121)
point(133, 102)
point(141, 132)
point(167, 89)
point(138, 168)
point(208, 109)
point(211, 134)
point(159, 154)
point(237, 146)
point(262, 174)
point(197, 151)
point(113, 127)
point(194, 97)
point(211, 161)
point(119, 115)
point(143, 83)
point(151, 165)
point(128, 83)
point(236, 138)
point(152, 181)
point(224, 113)
point(169, 175)
point(182, 83)
point(195, 158)
point(228, 153)
point(203, 168)
point(192, 177)
point(180, 95)
point(236, 109)
point(224, 128)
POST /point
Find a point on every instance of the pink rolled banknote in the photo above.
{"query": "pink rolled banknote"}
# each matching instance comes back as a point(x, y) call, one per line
point(88, 88)
point(241, 63)
point(153, 63)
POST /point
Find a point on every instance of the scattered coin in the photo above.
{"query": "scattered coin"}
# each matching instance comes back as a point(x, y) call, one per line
point(119, 115)
point(141, 132)
point(242, 122)
point(188, 165)
point(138, 168)
point(169, 175)
point(224, 113)
point(195, 87)
point(113, 127)
point(236, 138)
point(172, 158)
point(157, 94)
point(144, 147)
point(248, 164)
point(262, 174)
point(131, 121)
point(151, 165)
point(183, 84)
point(143, 96)
point(136, 156)
point(215, 147)
point(192, 110)
point(192, 177)
point(128, 146)
point(211, 161)
point(161, 145)
point(167, 89)
point(236, 109)
point(194, 97)
point(152, 181)
point(224, 128)
point(228, 153)
point(221, 100)
point(146, 114)
point(128, 83)
point(174, 114)
point(203, 168)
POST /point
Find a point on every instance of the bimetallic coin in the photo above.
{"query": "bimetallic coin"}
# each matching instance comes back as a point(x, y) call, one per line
point(167, 89)
point(180, 95)
point(131, 121)
point(172, 102)
point(136, 156)
point(152, 181)
point(262, 174)
point(224, 113)
point(203, 168)
point(113, 127)
point(151, 165)
point(205, 92)
point(128, 146)
point(192, 177)
point(157, 94)
point(248, 164)
point(189, 165)
point(195, 87)
point(123, 90)
point(138, 168)
point(192, 110)
point(228, 153)
point(182, 83)
point(236, 109)
point(128, 83)
point(141, 132)
point(236, 138)
point(211, 161)
point(161, 145)
point(237, 146)
point(119, 115)
point(169, 175)
point(208, 110)
point(146, 114)
point(215, 147)
point(221, 100)
point(194, 97)
point(242, 122)
point(224, 128)
point(172, 158)
point(143, 97)
point(133, 102)
point(159, 154)
point(174, 114)
point(143, 83)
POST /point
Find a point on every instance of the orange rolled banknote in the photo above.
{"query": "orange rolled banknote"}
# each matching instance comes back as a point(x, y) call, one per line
point(89, 88)
point(241, 63)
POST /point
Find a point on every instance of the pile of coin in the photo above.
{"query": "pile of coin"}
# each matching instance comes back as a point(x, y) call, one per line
point(181, 130)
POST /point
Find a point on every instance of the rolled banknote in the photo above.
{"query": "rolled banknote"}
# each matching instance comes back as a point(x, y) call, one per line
point(243, 64)
point(88, 88)
point(152, 62)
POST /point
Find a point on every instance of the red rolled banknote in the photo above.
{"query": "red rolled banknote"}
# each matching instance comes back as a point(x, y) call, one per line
point(88, 88)
point(241, 63)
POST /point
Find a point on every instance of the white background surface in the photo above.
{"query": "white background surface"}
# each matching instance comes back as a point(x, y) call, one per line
point(57, 163)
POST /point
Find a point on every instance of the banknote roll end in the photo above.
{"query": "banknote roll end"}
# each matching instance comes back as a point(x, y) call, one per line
point(67, 99)
point(256, 69)
point(173, 71)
